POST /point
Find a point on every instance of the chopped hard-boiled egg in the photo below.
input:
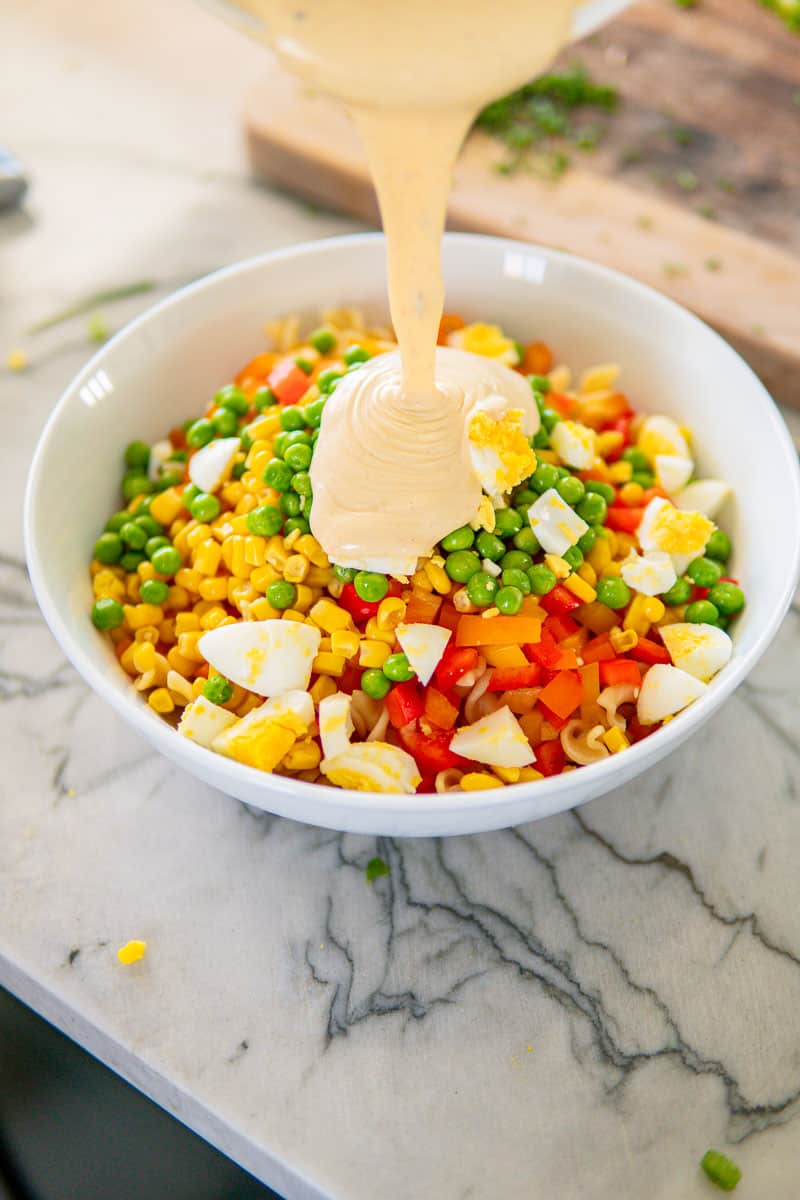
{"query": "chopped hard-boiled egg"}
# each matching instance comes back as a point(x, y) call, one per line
point(661, 435)
point(294, 710)
point(651, 573)
point(665, 691)
point(705, 496)
point(211, 466)
point(575, 444)
point(372, 767)
point(257, 740)
point(423, 646)
point(335, 724)
point(701, 650)
point(672, 472)
point(266, 657)
point(486, 340)
point(556, 525)
point(497, 739)
point(676, 532)
point(160, 454)
point(500, 451)
point(202, 721)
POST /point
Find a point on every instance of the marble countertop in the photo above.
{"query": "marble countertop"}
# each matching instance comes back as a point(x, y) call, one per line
point(577, 1008)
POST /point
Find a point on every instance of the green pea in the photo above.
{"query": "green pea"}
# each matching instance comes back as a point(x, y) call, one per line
point(108, 548)
point(238, 469)
point(155, 543)
point(370, 586)
point(149, 524)
point(461, 565)
point(137, 456)
point(265, 521)
point(507, 522)
point(544, 477)
point(550, 419)
point(205, 508)
point(542, 579)
point(719, 546)
point(509, 600)
point(107, 613)
point(459, 539)
point(154, 591)
point(296, 523)
point(225, 422)
point(397, 668)
point(323, 340)
point(516, 560)
point(290, 503)
point(375, 683)
point(278, 474)
point(573, 557)
point(189, 495)
point(292, 418)
point(131, 559)
point(490, 546)
point(280, 443)
point(166, 560)
point(593, 508)
point(133, 536)
point(135, 485)
point(327, 380)
point(168, 479)
point(179, 456)
point(200, 433)
point(231, 396)
point(728, 598)
point(541, 439)
point(295, 437)
point(301, 483)
point(562, 473)
point(304, 364)
point(482, 589)
point(645, 479)
point(598, 488)
point(705, 572)
point(613, 592)
point(115, 522)
point(524, 497)
point(679, 593)
point(636, 457)
point(587, 540)
point(517, 578)
point(539, 383)
point(345, 574)
point(723, 621)
point(281, 594)
point(571, 489)
point(702, 612)
point(313, 412)
point(298, 457)
point(218, 689)
point(526, 541)
point(264, 398)
point(355, 354)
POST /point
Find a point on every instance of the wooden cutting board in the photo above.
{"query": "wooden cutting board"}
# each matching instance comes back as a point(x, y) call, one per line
point(695, 188)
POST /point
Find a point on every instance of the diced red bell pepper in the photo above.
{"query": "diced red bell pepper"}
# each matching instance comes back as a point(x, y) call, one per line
point(350, 679)
point(699, 593)
point(617, 671)
point(560, 601)
point(427, 784)
point(507, 679)
point(550, 757)
point(550, 656)
point(439, 710)
point(404, 703)
point(623, 425)
point(598, 649)
point(563, 694)
point(728, 579)
point(547, 714)
point(635, 731)
point(560, 626)
point(454, 663)
point(360, 610)
point(288, 381)
point(431, 752)
point(624, 520)
point(648, 651)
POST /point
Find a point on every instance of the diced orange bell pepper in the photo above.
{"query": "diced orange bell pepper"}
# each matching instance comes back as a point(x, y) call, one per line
point(563, 693)
point(624, 520)
point(422, 607)
point(506, 679)
point(438, 709)
point(257, 369)
point(618, 671)
point(537, 359)
point(497, 631)
point(590, 678)
point(598, 648)
point(288, 381)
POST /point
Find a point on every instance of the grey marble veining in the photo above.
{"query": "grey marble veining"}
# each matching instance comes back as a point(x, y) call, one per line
point(575, 1009)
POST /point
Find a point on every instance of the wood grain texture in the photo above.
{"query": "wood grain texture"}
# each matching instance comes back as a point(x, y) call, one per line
point(695, 189)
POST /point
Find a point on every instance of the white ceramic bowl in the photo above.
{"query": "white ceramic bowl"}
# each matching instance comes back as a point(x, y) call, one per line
point(165, 366)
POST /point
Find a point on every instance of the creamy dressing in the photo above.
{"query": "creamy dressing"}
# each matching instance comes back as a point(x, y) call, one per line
point(392, 472)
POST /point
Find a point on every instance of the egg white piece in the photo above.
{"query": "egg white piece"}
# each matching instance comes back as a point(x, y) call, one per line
point(160, 453)
point(497, 739)
point(705, 496)
point(211, 466)
point(665, 691)
point(372, 767)
point(651, 573)
point(575, 444)
point(423, 646)
point(294, 710)
point(701, 650)
point(661, 435)
point(202, 721)
point(335, 724)
point(556, 525)
point(672, 472)
point(266, 657)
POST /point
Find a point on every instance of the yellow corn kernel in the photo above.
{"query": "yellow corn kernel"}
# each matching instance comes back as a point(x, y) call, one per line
point(214, 588)
point(166, 631)
point(231, 493)
point(161, 700)
point(146, 570)
point(580, 588)
point(548, 456)
point(177, 527)
point(322, 688)
point(604, 375)
point(613, 568)
point(240, 592)
point(615, 740)
point(307, 544)
point(328, 663)
point(207, 556)
point(420, 580)
point(319, 576)
point(187, 648)
point(188, 578)
point(440, 580)
point(197, 535)
point(608, 442)
point(303, 756)
point(623, 640)
point(177, 598)
point(262, 610)
point(477, 781)
point(262, 577)
point(643, 612)
point(587, 572)
point(179, 662)
point(529, 775)
point(291, 538)
point(131, 952)
point(245, 504)
point(166, 506)
point(330, 616)
point(143, 614)
point(255, 548)
point(374, 631)
point(179, 540)
point(186, 622)
point(391, 611)
point(631, 493)
point(293, 614)
point(179, 686)
point(126, 661)
point(105, 584)
point(296, 568)
point(508, 774)
point(248, 704)
point(560, 378)
point(557, 565)
point(251, 482)
point(161, 669)
point(373, 653)
point(305, 597)
point(144, 656)
point(265, 426)
point(325, 643)
point(132, 587)
point(197, 686)
point(620, 472)
point(599, 556)
point(240, 567)
point(258, 458)
point(346, 642)
point(148, 633)
point(276, 554)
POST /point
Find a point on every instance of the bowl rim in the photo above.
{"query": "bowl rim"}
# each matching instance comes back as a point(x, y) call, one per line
point(556, 791)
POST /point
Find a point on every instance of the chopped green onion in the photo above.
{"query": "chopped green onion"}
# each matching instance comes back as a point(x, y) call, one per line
point(375, 868)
